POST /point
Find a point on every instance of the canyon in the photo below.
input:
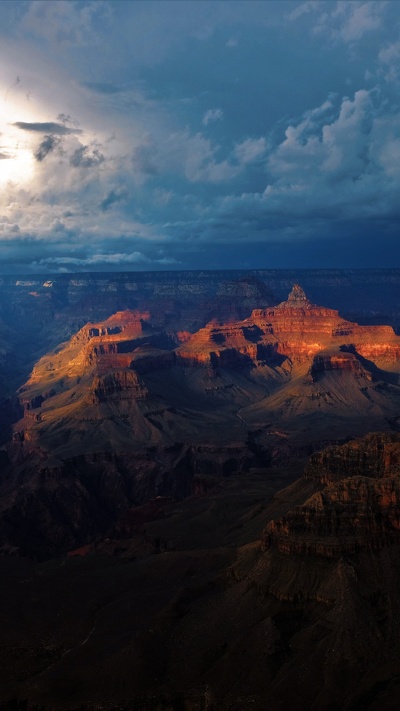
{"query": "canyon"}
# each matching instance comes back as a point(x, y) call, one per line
point(199, 494)
point(126, 411)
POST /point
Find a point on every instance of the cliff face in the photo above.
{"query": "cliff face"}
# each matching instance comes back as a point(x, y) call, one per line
point(295, 329)
point(283, 362)
point(242, 395)
point(118, 385)
point(323, 362)
point(375, 456)
point(356, 504)
point(37, 313)
point(328, 572)
point(49, 507)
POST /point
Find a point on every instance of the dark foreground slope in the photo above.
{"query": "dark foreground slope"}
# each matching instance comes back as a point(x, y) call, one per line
point(186, 612)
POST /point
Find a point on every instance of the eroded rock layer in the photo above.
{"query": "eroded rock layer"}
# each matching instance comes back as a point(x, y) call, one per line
point(296, 329)
point(356, 503)
point(266, 390)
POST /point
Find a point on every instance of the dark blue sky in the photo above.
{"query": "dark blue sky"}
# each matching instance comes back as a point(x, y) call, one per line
point(163, 135)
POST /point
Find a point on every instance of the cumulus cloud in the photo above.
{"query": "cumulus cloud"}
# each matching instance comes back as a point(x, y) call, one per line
point(337, 164)
point(389, 59)
point(358, 18)
point(250, 150)
point(349, 22)
point(212, 115)
point(190, 155)
point(342, 21)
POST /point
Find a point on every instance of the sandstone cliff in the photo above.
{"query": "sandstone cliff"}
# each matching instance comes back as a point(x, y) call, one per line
point(295, 329)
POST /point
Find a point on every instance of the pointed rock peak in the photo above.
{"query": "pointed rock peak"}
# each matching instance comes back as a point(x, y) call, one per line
point(296, 299)
point(297, 294)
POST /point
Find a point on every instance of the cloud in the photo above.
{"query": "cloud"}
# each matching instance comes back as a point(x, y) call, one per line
point(86, 157)
point(45, 127)
point(112, 197)
point(339, 163)
point(191, 156)
point(350, 21)
point(303, 9)
point(389, 60)
point(107, 258)
point(250, 150)
point(12, 86)
point(116, 260)
point(123, 169)
point(343, 21)
point(49, 144)
point(66, 22)
point(358, 18)
point(212, 115)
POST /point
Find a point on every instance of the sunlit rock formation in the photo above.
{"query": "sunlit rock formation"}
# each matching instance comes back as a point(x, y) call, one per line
point(296, 329)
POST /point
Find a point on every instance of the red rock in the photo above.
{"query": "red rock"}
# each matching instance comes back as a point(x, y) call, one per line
point(296, 329)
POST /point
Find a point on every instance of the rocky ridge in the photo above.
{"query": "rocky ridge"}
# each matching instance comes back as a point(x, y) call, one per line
point(296, 329)
point(127, 395)
point(356, 503)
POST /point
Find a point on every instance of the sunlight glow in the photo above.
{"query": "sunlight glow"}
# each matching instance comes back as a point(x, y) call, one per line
point(19, 168)
point(17, 162)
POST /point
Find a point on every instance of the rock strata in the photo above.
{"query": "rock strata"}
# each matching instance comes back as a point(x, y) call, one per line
point(295, 329)
point(356, 503)
point(267, 389)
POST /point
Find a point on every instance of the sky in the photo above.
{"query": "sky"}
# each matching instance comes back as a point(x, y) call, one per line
point(141, 135)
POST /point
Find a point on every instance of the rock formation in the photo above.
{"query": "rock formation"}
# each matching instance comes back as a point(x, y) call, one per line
point(296, 329)
point(127, 412)
point(356, 503)
point(271, 388)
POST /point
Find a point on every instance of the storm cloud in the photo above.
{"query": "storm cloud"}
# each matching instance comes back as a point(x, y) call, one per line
point(216, 142)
